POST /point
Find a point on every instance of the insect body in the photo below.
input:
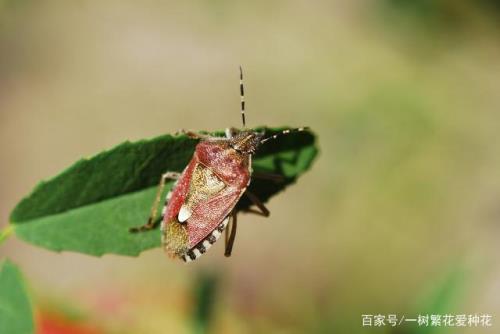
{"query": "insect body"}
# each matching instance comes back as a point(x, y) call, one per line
point(202, 202)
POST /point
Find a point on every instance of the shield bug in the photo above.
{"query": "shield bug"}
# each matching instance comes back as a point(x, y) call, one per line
point(203, 200)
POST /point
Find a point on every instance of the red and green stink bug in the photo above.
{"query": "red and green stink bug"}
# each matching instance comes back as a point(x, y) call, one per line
point(203, 200)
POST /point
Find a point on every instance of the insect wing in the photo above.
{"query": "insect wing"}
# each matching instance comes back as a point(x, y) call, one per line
point(178, 194)
point(208, 214)
point(208, 199)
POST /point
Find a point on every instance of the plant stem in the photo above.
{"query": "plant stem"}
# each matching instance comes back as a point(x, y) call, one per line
point(5, 233)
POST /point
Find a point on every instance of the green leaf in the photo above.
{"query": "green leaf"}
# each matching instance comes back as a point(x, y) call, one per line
point(444, 297)
point(16, 315)
point(89, 207)
point(205, 288)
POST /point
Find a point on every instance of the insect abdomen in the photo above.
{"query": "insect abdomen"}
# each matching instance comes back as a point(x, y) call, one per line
point(204, 245)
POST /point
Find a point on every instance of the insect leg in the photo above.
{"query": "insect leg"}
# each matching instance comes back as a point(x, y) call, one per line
point(193, 135)
point(255, 200)
point(230, 236)
point(278, 178)
point(152, 217)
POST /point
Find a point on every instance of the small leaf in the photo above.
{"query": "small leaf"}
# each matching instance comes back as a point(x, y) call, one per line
point(444, 297)
point(15, 308)
point(205, 288)
point(89, 207)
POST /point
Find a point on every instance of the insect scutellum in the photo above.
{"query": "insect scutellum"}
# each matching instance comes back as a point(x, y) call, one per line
point(248, 141)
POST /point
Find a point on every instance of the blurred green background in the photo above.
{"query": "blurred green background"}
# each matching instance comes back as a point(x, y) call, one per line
point(399, 214)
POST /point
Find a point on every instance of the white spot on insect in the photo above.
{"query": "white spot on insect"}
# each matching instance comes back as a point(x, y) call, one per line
point(215, 233)
point(169, 196)
point(228, 133)
point(206, 244)
point(184, 214)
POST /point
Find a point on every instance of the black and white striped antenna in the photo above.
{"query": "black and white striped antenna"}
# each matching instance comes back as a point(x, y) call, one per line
point(284, 133)
point(242, 96)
